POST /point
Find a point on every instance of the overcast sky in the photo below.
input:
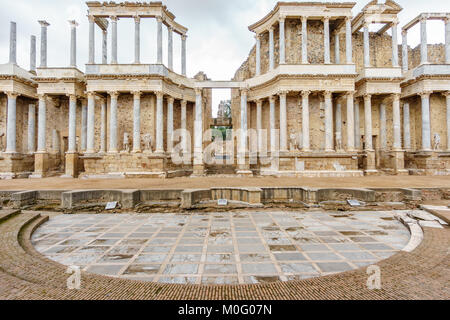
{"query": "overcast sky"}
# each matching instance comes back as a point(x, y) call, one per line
point(218, 37)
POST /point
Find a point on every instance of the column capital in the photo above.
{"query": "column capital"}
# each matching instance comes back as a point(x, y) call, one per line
point(72, 96)
point(272, 99)
point(113, 18)
point(423, 19)
point(12, 95)
point(91, 94)
point(395, 22)
point(350, 94)
point(259, 101)
point(367, 97)
point(243, 91)
point(304, 19)
point(198, 91)
point(367, 23)
point(137, 19)
point(396, 96)
point(348, 19)
point(73, 23)
point(136, 94)
point(159, 19)
point(325, 18)
point(257, 36)
point(91, 18)
point(327, 94)
point(42, 96)
point(425, 94)
point(183, 103)
point(184, 37)
point(271, 28)
point(282, 18)
point(170, 100)
point(305, 93)
point(404, 32)
point(113, 94)
point(282, 93)
point(446, 94)
point(43, 23)
point(159, 94)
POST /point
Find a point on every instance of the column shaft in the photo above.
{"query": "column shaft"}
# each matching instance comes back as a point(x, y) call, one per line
point(305, 121)
point(350, 123)
point(73, 43)
point(368, 122)
point(423, 42)
point(282, 42)
point(137, 40)
point(405, 51)
point(91, 40)
point(357, 126)
point(328, 122)
point(259, 124)
point(447, 96)
point(447, 41)
point(183, 126)
point(31, 128)
point(273, 142)
point(170, 48)
point(72, 148)
point(183, 55)
point(198, 129)
point(304, 40)
point(243, 136)
point(159, 41)
point(258, 55)
point(91, 124)
point(114, 40)
point(338, 125)
point(326, 39)
point(383, 138)
point(44, 26)
point(337, 53)
point(170, 124)
point(113, 123)
point(136, 122)
point(283, 122)
point(348, 40)
point(11, 124)
point(406, 127)
point(271, 50)
point(366, 46)
point(13, 43)
point(396, 121)
point(105, 47)
point(394, 46)
point(33, 54)
point(159, 123)
point(426, 126)
point(42, 125)
point(103, 127)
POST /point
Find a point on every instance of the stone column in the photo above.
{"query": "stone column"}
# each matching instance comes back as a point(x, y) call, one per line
point(423, 41)
point(103, 127)
point(183, 126)
point(406, 127)
point(326, 39)
point(137, 40)
point(305, 121)
point(91, 40)
point(73, 43)
point(304, 40)
point(42, 124)
point(13, 43)
point(383, 140)
point(405, 51)
point(90, 146)
point(357, 126)
point(426, 126)
point(105, 47)
point(170, 102)
point(33, 54)
point(337, 54)
point(159, 123)
point(113, 123)
point(136, 121)
point(396, 119)
point(350, 123)
point(348, 40)
point(259, 124)
point(83, 126)
point(159, 40)
point(114, 20)
point(338, 124)
point(368, 122)
point(258, 55)
point(243, 136)
point(447, 98)
point(72, 148)
point(394, 45)
point(283, 122)
point(282, 41)
point(198, 128)
point(31, 128)
point(328, 122)
point(366, 45)
point(44, 25)
point(183, 54)
point(273, 142)
point(170, 48)
point(447, 40)
point(11, 123)
point(271, 50)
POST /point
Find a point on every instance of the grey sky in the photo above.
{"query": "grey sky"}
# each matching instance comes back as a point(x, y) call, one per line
point(218, 38)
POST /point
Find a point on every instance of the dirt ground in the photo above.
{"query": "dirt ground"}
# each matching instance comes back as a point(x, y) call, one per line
point(206, 182)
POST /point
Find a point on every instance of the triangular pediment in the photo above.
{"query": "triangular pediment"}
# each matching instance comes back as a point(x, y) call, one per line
point(388, 7)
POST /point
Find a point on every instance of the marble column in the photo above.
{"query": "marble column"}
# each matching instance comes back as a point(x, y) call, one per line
point(183, 126)
point(326, 39)
point(72, 148)
point(42, 124)
point(337, 53)
point(90, 145)
point(33, 54)
point(368, 122)
point(366, 46)
point(283, 121)
point(338, 125)
point(13, 43)
point(348, 40)
point(406, 127)
point(170, 102)
point(447, 99)
point(243, 136)
point(405, 66)
point(383, 138)
point(271, 50)
point(137, 40)
point(305, 121)
point(183, 54)
point(31, 128)
point(83, 126)
point(11, 123)
point(357, 126)
point(447, 41)
point(423, 41)
point(170, 48)
point(91, 40)
point(105, 47)
point(328, 122)
point(282, 41)
point(259, 124)
point(159, 41)
point(198, 128)
point(44, 25)
point(350, 123)
point(396, 120)
point(136, 121)
point(113, 148)
point(394, 45)
point(426, 125)
point(159, 123)
point(103, 127)
point(258, 54)
point(304, 40)
point(73, 43)
point(273, 142)
point(114, 40)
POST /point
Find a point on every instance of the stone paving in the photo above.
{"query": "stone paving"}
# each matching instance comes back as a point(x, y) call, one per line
point(221, 248)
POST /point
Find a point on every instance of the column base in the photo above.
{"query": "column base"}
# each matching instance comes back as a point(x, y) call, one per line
point(41, 163)
point(198, 170)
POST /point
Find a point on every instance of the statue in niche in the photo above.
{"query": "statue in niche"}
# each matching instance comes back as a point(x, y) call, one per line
point(338, 141)
point(294, 144)
point(148, 143)
point(126, 142)
point(436, 141)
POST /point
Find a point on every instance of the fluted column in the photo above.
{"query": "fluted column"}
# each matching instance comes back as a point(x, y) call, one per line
point(159, 40)
point(170, 102)
point(170, 48)
point(13, 43)
point(183, 54)
point(105, 46)
point(258, 54)
point(348, 40)
point(91, 40)
point(357, 126)
point(338, 124)
point(44, 25)
point(383, 138)
point(447, 99)
point(103, 126)
point(243, 136)
point(83, 125)
point(394, 45)
point(304, 40)
point(183, 126)
point(73, 43)
point(113, 123)
point(273, 143)
point(447, 41)
point(259, 124)
point(72, 148)
point(136, 121)
point(405, 66)
point(90, 147)
point(198, 128)
point(305, 121)
point(326, 39)
point(137, 40)
point(350, 123)
point(159, 123)
point(271, 50)
point(368, 122)
point(114, 20)
point(426, 126)
point(283, 121)
point(33, 54)
point(31, 128)
point(11, 123)
point(282, 41)
point(396, 120)
point(406, 127)
point(366, 45)
point(337, 53)
point(328, 122)
point(423, 41)
point(42, 124)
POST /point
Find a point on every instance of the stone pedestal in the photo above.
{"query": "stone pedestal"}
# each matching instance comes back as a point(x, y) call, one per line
point(198, 170)
point(15, 165)
point(399, 163)
point(370, 163)
point(41, 165)
point(71, 165)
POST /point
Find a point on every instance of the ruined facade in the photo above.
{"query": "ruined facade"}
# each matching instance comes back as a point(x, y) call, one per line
point(334, 100)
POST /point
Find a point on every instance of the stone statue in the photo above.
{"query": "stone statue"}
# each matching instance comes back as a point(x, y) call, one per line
point(294, 144)
point(126, 142)
point(338, 141)
point(436, 141)
point(148, 142)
